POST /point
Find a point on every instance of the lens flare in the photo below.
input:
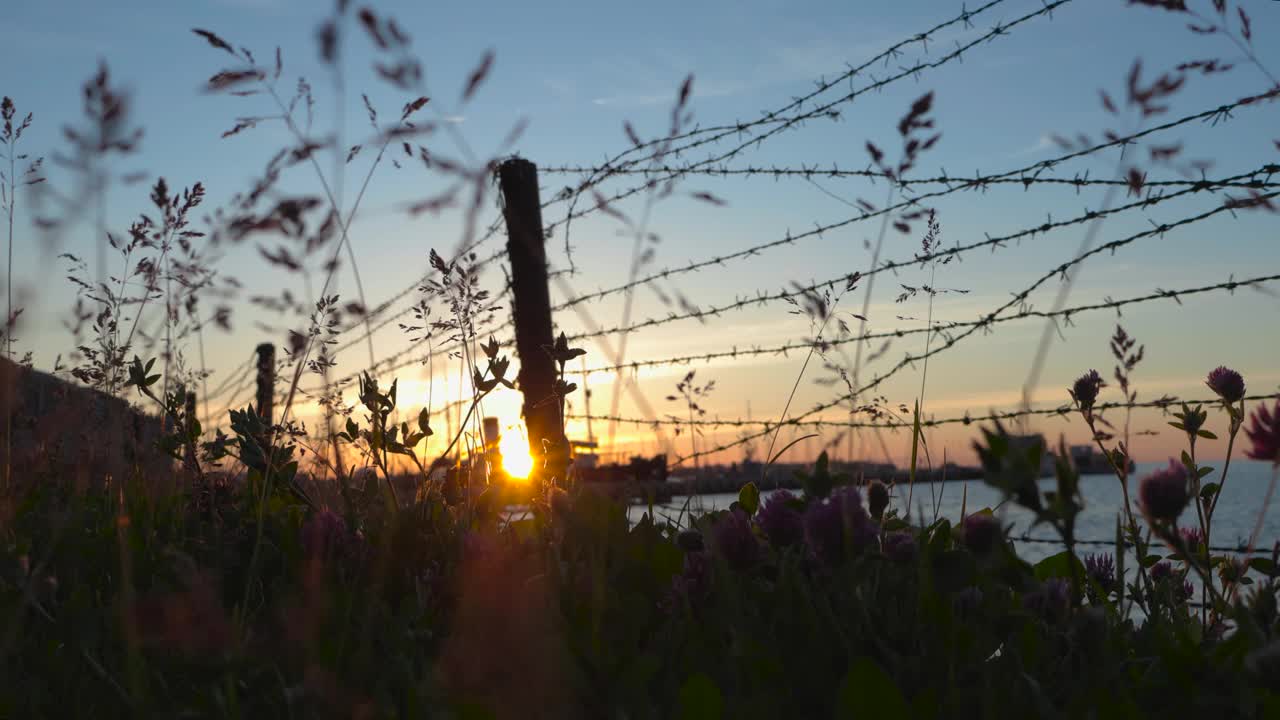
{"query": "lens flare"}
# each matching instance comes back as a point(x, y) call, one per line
point(516, 460)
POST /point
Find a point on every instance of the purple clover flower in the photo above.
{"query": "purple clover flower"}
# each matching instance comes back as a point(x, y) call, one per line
point(324, 535)
point(1101, 568)
point(838, 523)
point(735, 541)
point(1051, 601)
point(982, 533)
point(692, 584)
point(1186, 592)
point(1227, 383)
point(1193, 537)
point(900, 547)
point(1164, 573)
point(1085, 390)
point(781, 521)
point(1163, 494)
point(1264, 433)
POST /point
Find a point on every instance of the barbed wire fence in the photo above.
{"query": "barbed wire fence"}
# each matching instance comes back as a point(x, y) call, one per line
point(649, 166)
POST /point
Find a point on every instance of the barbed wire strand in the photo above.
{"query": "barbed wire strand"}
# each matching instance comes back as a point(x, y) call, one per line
point(1162, 403)
point(827, 109)
point(762, 298)
point(1210, 115)
point(938, 326)
point(952, 341)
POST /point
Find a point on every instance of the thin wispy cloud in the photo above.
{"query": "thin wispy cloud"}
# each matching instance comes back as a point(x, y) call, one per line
point(1044, 143)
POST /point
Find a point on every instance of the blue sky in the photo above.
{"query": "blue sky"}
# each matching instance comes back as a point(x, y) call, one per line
point(575, 71)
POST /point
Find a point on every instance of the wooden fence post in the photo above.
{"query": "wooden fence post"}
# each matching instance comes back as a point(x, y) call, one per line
point(531, 306)
point(265, 400)
point(189, 423)
point(189, 409)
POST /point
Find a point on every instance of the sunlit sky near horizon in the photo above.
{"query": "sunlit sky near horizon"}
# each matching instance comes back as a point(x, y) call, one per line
point(576, 71)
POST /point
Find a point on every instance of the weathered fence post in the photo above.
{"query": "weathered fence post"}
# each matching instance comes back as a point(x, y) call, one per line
point(265, 400)
point(189, 426)
point(531, 306)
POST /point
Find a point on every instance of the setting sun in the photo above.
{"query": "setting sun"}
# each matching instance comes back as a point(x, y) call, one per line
point(516, 459)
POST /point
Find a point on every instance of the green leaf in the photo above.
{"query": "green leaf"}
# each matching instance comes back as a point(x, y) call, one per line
point(1263, 565)
point(1209, 490)
point(940, 540)
point(1205, 471)
point(915, 440)
point(868, 691)
point(1207, 435)
point(700, 699)
point(1186, 459)
point(1058, 566)
point(749, 497)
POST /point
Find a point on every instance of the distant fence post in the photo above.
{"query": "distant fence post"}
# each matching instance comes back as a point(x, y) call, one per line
point(531, 306)
point(189, 409)
point(265, 400)
point(189, 425)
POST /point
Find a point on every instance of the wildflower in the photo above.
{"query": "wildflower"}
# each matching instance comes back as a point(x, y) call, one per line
point(1186, 591)
point(1101, 568)
point(1051, 601)
point(900, 547)
point(692, 584)
point(1163, 493)
point(1164, 575)
point(781, 521)
point(1265, 434)
point(1162, 570)
point(1232, 569)
point(1192, 419)
point(837, 523)
point(734, 540)
point(1227, 383)
point(981, 532)
point(877, 498)
point(324, 535)
point(1085, 390)
point(1192, 537)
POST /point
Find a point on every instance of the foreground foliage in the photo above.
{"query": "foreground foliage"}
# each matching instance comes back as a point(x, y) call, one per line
point(129, 601)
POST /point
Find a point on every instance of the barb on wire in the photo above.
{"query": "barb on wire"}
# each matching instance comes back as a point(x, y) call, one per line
point(975, 181)
point(713, 134)
point(789, 238)
point(762, 298)
point(952, 340)
point(825, 110)
point(1064, 410)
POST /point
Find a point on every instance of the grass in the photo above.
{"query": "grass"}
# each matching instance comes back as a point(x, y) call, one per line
point(270, 569)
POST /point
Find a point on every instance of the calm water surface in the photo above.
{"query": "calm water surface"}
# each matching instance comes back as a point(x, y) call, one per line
point(1237, 511)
